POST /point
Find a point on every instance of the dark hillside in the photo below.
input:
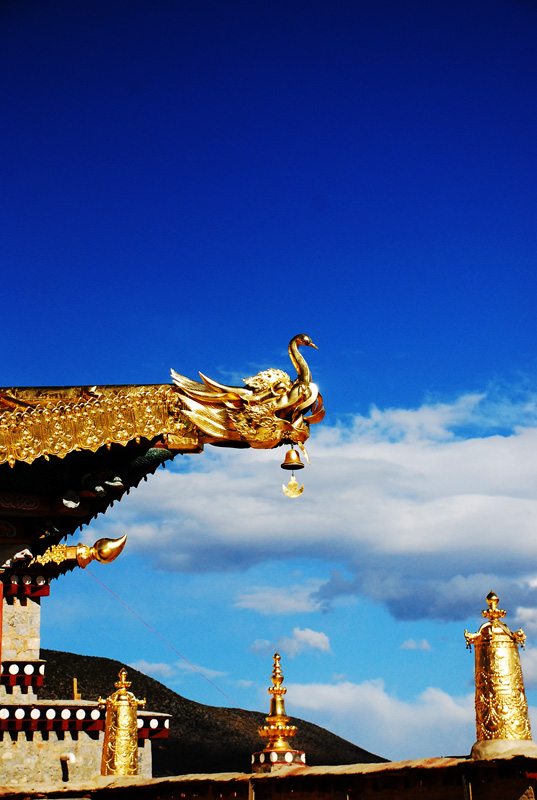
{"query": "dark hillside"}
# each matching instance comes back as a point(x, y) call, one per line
point(202, 738)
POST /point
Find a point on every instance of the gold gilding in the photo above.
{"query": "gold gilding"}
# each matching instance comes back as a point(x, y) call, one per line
point(54, 422)
point(269, 410)
point(500, 700)
point(104, 550)
point(277, 730)
point(120, 746)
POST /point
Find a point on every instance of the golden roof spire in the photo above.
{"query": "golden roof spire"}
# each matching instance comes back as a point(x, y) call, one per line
point(277, 731)
point(277, 705)
point(278, 752)
point(502, 722)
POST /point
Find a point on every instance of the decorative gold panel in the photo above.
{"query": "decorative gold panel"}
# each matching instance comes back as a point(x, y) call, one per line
point(45, 422)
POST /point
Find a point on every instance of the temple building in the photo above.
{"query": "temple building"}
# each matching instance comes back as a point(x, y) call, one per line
point(67, 454)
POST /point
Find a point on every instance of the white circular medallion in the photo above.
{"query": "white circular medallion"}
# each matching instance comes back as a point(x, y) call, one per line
point(51, 713)
point(19, 713)
point(35, 713)
point(262, 758)
point(14, 669)
point(273, 757)
point(66, 713)
point(81, 714)
point(154, 723)
point(288, 757)
point(28, 669)
point(95, 714)
point(140, 723)
point(4, 713)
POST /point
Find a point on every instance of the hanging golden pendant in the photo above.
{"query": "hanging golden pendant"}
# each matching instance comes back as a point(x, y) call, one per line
point(292, 490)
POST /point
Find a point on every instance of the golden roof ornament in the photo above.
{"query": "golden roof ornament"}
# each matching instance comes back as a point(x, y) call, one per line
point(104, 551)
point(269, 410)
point(502, 722)
point(120, 746)
point(278, 752)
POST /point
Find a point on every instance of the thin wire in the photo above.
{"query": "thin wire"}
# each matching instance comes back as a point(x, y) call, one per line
point(165, 641)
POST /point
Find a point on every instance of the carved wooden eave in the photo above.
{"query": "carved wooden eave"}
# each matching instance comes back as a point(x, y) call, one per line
point(45, 422)
point(67, 453)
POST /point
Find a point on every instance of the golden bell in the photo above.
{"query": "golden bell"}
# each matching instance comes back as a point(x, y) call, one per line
point(292, 460)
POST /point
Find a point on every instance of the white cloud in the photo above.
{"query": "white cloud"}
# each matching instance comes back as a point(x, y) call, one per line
point(367, 714)
point(172, 672)
point(303, 639)
point(281, 600)
point(207, 672)
point(427, 508)
point(411, 644)
point(262, 647)
point(527, 618)
point(158, 671)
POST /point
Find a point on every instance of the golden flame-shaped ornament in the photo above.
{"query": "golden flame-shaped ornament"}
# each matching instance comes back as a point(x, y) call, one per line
point(502, 722)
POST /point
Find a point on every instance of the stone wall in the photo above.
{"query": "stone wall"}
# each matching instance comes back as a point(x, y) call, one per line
point(21, 628)
point(57, 756)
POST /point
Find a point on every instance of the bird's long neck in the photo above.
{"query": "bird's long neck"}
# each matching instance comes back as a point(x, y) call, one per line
point(299, 363)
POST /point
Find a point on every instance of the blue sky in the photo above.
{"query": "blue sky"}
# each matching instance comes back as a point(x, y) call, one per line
point(188, 185)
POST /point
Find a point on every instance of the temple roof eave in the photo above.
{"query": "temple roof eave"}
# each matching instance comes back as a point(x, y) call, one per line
point(55, 421)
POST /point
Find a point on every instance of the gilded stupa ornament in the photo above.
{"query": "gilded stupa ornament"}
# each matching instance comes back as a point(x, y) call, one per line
point(502, 721)
point(277, 752)
point(120, 747)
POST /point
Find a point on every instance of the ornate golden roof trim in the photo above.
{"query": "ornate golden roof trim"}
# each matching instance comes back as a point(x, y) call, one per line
point(269, 410)
point(46, 422)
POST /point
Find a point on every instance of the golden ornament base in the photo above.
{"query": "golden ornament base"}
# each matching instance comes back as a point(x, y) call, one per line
point(503, 748)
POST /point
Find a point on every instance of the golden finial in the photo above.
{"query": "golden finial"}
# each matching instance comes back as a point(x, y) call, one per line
point(277, 731)
point(104, 550)
point(493, 612)
point(278, 751)
point(502, 722)
point(120, 746)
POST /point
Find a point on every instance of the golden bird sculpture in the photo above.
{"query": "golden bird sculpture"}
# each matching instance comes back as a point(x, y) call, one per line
point(269, 410)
